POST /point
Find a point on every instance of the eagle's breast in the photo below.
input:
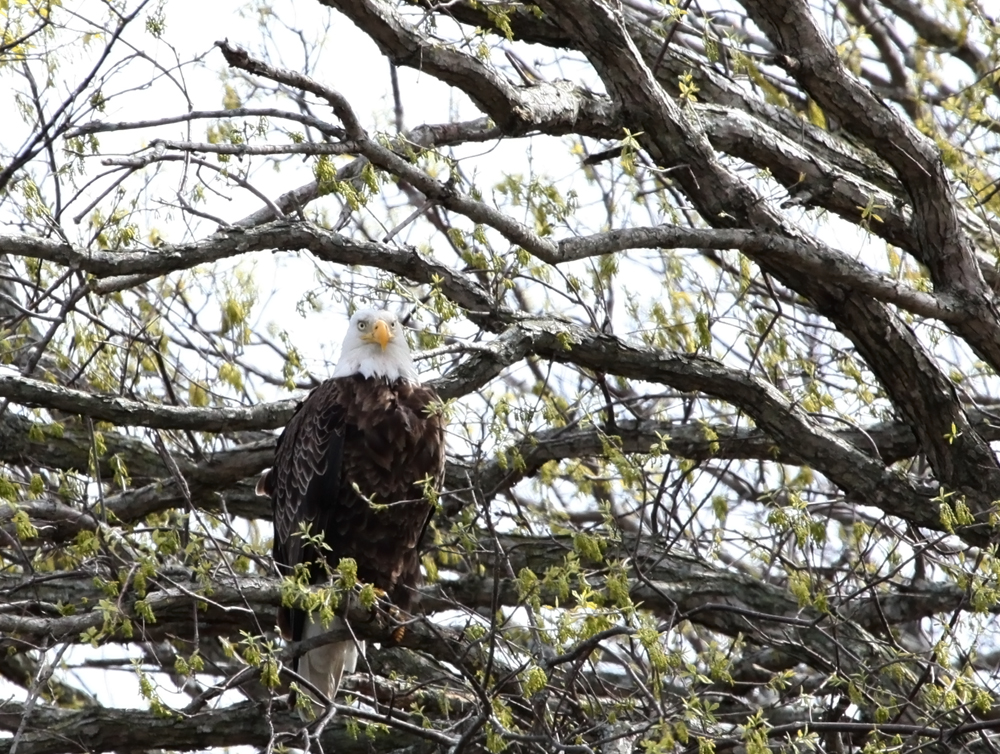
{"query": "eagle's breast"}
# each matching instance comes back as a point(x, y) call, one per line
point(355, 463)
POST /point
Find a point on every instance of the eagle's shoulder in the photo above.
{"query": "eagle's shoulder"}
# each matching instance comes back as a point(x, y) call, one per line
point(303, 442)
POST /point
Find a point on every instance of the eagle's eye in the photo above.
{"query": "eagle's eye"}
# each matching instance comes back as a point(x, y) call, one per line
point(362, 325)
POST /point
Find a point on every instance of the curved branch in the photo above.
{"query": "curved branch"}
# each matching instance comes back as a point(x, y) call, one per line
point(517, 110)
point(805, 257)
point(29, 392)
point(276, 236)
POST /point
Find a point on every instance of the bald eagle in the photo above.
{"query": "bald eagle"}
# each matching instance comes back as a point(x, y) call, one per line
point(354, 464)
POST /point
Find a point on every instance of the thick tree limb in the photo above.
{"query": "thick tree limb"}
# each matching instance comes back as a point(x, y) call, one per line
point(817, 169)
point(29, 392)
point(517, 110)
point(861, 476)
point(812, 259)
point(824, 262)
point(276, 236)
point(484, 364)
point(105, 729)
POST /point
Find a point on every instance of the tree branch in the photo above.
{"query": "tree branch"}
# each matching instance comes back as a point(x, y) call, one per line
point(261, 725)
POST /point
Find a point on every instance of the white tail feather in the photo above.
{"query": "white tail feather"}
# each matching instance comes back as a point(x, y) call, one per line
point(324, 667)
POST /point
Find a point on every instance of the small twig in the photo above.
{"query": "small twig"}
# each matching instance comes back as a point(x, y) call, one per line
point(670, 35)
point(97, 126)
point(41, 678)
point(413, 216)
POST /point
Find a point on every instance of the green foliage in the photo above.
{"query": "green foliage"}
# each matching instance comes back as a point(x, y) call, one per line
point(588, 547)
point(534, 680)
point(23, 527)
point(236, 305)
point(367, 596)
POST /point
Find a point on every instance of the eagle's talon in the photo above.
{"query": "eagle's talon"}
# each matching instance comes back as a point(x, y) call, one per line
point(398, 616)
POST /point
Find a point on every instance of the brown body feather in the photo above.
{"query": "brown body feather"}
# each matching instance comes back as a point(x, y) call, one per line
point(350, 435)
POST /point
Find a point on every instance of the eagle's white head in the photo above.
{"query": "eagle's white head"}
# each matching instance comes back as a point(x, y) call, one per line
point(375, 346)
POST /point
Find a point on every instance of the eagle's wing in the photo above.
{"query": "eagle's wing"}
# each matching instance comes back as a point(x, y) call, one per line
point(303, 486)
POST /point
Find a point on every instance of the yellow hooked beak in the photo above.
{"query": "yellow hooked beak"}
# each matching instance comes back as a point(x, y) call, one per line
point(381, 334)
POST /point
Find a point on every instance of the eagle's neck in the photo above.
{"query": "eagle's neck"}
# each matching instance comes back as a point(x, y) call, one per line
point(387, 366)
